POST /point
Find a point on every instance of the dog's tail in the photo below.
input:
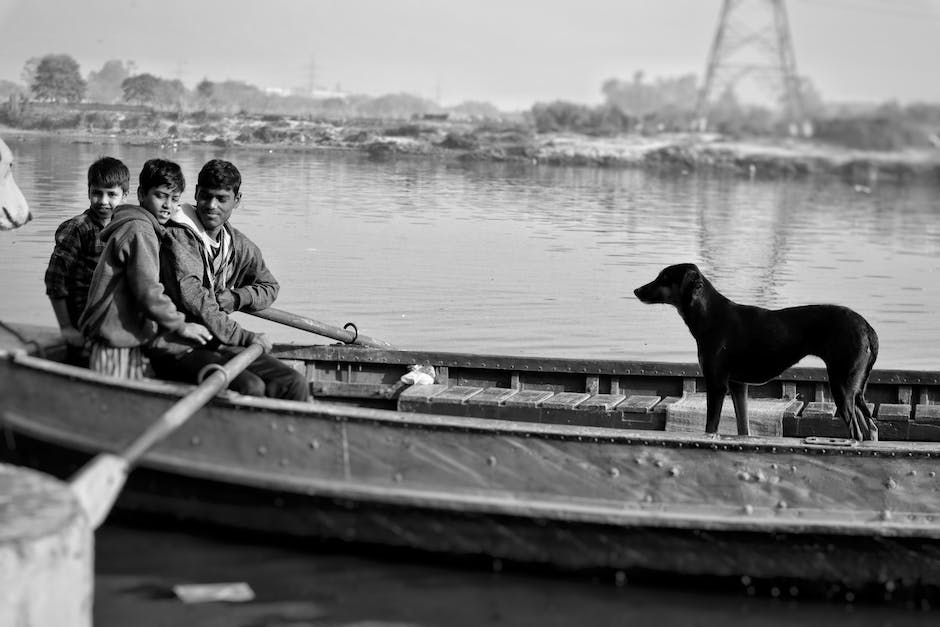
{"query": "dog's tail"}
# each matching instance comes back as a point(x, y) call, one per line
point(872, 338)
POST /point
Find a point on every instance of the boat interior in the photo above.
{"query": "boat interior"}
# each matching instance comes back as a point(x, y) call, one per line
point(651, 396)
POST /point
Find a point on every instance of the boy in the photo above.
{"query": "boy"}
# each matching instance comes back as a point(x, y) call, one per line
point(126, 305)
point(210, 269)
point(77, 249)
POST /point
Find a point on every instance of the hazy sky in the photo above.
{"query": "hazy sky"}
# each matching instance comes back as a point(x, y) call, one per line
point(509, 52)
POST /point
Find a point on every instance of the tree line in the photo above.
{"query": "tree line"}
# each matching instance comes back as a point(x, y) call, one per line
point(630, 106)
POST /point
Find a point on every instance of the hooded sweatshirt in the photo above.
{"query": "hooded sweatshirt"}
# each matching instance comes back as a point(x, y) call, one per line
point(126, 302)
point(195, 267)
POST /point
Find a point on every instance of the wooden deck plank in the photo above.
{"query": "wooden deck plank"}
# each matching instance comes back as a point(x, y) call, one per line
point(894, 412)
point(493, 396)
point(417, 397)
point(640, 404)
point(455, 394)
point(819, 409)
point(528, 398)
point(565, 400)
point(604, 402)
point(765, 415)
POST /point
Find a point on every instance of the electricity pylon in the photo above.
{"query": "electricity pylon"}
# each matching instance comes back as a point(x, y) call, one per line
point(753, 38)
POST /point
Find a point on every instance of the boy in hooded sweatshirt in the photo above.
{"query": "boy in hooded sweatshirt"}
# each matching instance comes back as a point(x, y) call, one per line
point(127, 307)
point(211, 269)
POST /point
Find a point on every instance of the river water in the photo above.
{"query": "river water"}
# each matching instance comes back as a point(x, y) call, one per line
point(497, 258)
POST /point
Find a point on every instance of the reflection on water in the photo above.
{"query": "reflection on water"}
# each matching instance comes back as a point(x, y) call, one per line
point(295, 587)
point(524, 259)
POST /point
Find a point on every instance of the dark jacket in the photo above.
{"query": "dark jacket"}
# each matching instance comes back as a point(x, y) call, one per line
point(184, 272)
point(126, 302)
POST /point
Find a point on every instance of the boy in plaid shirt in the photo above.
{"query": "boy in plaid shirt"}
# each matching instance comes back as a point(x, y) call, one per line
point(77, 249)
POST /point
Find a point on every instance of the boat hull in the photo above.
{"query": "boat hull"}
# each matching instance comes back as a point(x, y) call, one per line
point(570, 496)
point(852, 560)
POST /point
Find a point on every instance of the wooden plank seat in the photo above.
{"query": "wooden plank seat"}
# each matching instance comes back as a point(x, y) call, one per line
point(344, 389)
point(926, 423)
point(765, 415)
point(894, 421)
point(620, 411)
point(819, 419)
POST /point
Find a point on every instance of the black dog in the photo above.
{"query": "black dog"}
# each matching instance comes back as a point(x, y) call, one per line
point(741, 344)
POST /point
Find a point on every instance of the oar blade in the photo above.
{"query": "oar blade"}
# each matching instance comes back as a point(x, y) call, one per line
point(97, 484)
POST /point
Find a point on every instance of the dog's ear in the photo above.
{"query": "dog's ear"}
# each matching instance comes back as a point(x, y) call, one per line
point(693, 289)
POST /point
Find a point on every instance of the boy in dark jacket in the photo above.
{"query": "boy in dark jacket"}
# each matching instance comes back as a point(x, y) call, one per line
point(77, 249)
point(127, 307)
point(210, 269)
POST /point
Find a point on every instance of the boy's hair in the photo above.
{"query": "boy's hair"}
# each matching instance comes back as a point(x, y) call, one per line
point(220, 174)
point(160, 172)
point(109, 172)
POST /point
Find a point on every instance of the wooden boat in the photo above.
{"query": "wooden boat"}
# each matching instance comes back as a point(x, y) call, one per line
point(581, 464)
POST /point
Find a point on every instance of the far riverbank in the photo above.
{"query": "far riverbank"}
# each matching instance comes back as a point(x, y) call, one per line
point(682, 153)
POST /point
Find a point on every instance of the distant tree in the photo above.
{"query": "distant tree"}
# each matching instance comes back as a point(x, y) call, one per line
point(140, 89)
point(28, 75)
point(147, 89)
point(9, 88)
point(476, 109)
point(234, 96)
point(105, 84)
point(812, 98)
point(568, 116)
point(57, 79)
point(170, 94)
point(641, 98)
point(397, 106)
point(205, 89)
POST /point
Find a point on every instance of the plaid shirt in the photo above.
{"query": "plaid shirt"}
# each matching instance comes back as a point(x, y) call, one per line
point(73, 261)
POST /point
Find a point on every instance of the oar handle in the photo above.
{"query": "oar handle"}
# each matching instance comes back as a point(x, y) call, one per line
point(314, 326)
point(183, 409)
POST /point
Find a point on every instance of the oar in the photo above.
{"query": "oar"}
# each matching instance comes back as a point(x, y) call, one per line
point(98, 483)
point(320, 328)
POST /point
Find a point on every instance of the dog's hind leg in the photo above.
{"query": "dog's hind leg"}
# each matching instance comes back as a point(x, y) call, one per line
point(869, 420)
point(739, 398)
point(846, 410)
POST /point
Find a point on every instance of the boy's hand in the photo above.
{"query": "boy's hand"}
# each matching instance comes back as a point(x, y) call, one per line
point(226, 300)
point(72, 336)
point(196, 332)
point(262, 339)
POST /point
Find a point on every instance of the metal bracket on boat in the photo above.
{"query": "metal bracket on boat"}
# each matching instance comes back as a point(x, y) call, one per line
point(355, 332)
point(815, 440)
point(208, 369)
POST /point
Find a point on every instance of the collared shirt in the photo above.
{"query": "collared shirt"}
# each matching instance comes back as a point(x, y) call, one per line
point(73, 261)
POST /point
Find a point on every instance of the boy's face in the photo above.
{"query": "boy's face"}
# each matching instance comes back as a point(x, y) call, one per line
point(215, 206)
point(160, 201)
point(104, 200)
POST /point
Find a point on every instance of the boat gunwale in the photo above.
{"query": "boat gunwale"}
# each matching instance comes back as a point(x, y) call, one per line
point(544, 365)
point(730, 519)
point(343, 412)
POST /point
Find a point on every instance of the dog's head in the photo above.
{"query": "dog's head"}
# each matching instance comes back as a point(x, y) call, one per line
point(674, 285)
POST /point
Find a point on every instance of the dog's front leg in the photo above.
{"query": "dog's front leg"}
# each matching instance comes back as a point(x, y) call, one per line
point(715, 391)
point(739, 398)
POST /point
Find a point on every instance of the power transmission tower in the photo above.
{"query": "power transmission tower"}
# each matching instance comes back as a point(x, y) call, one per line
point(753, 38)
